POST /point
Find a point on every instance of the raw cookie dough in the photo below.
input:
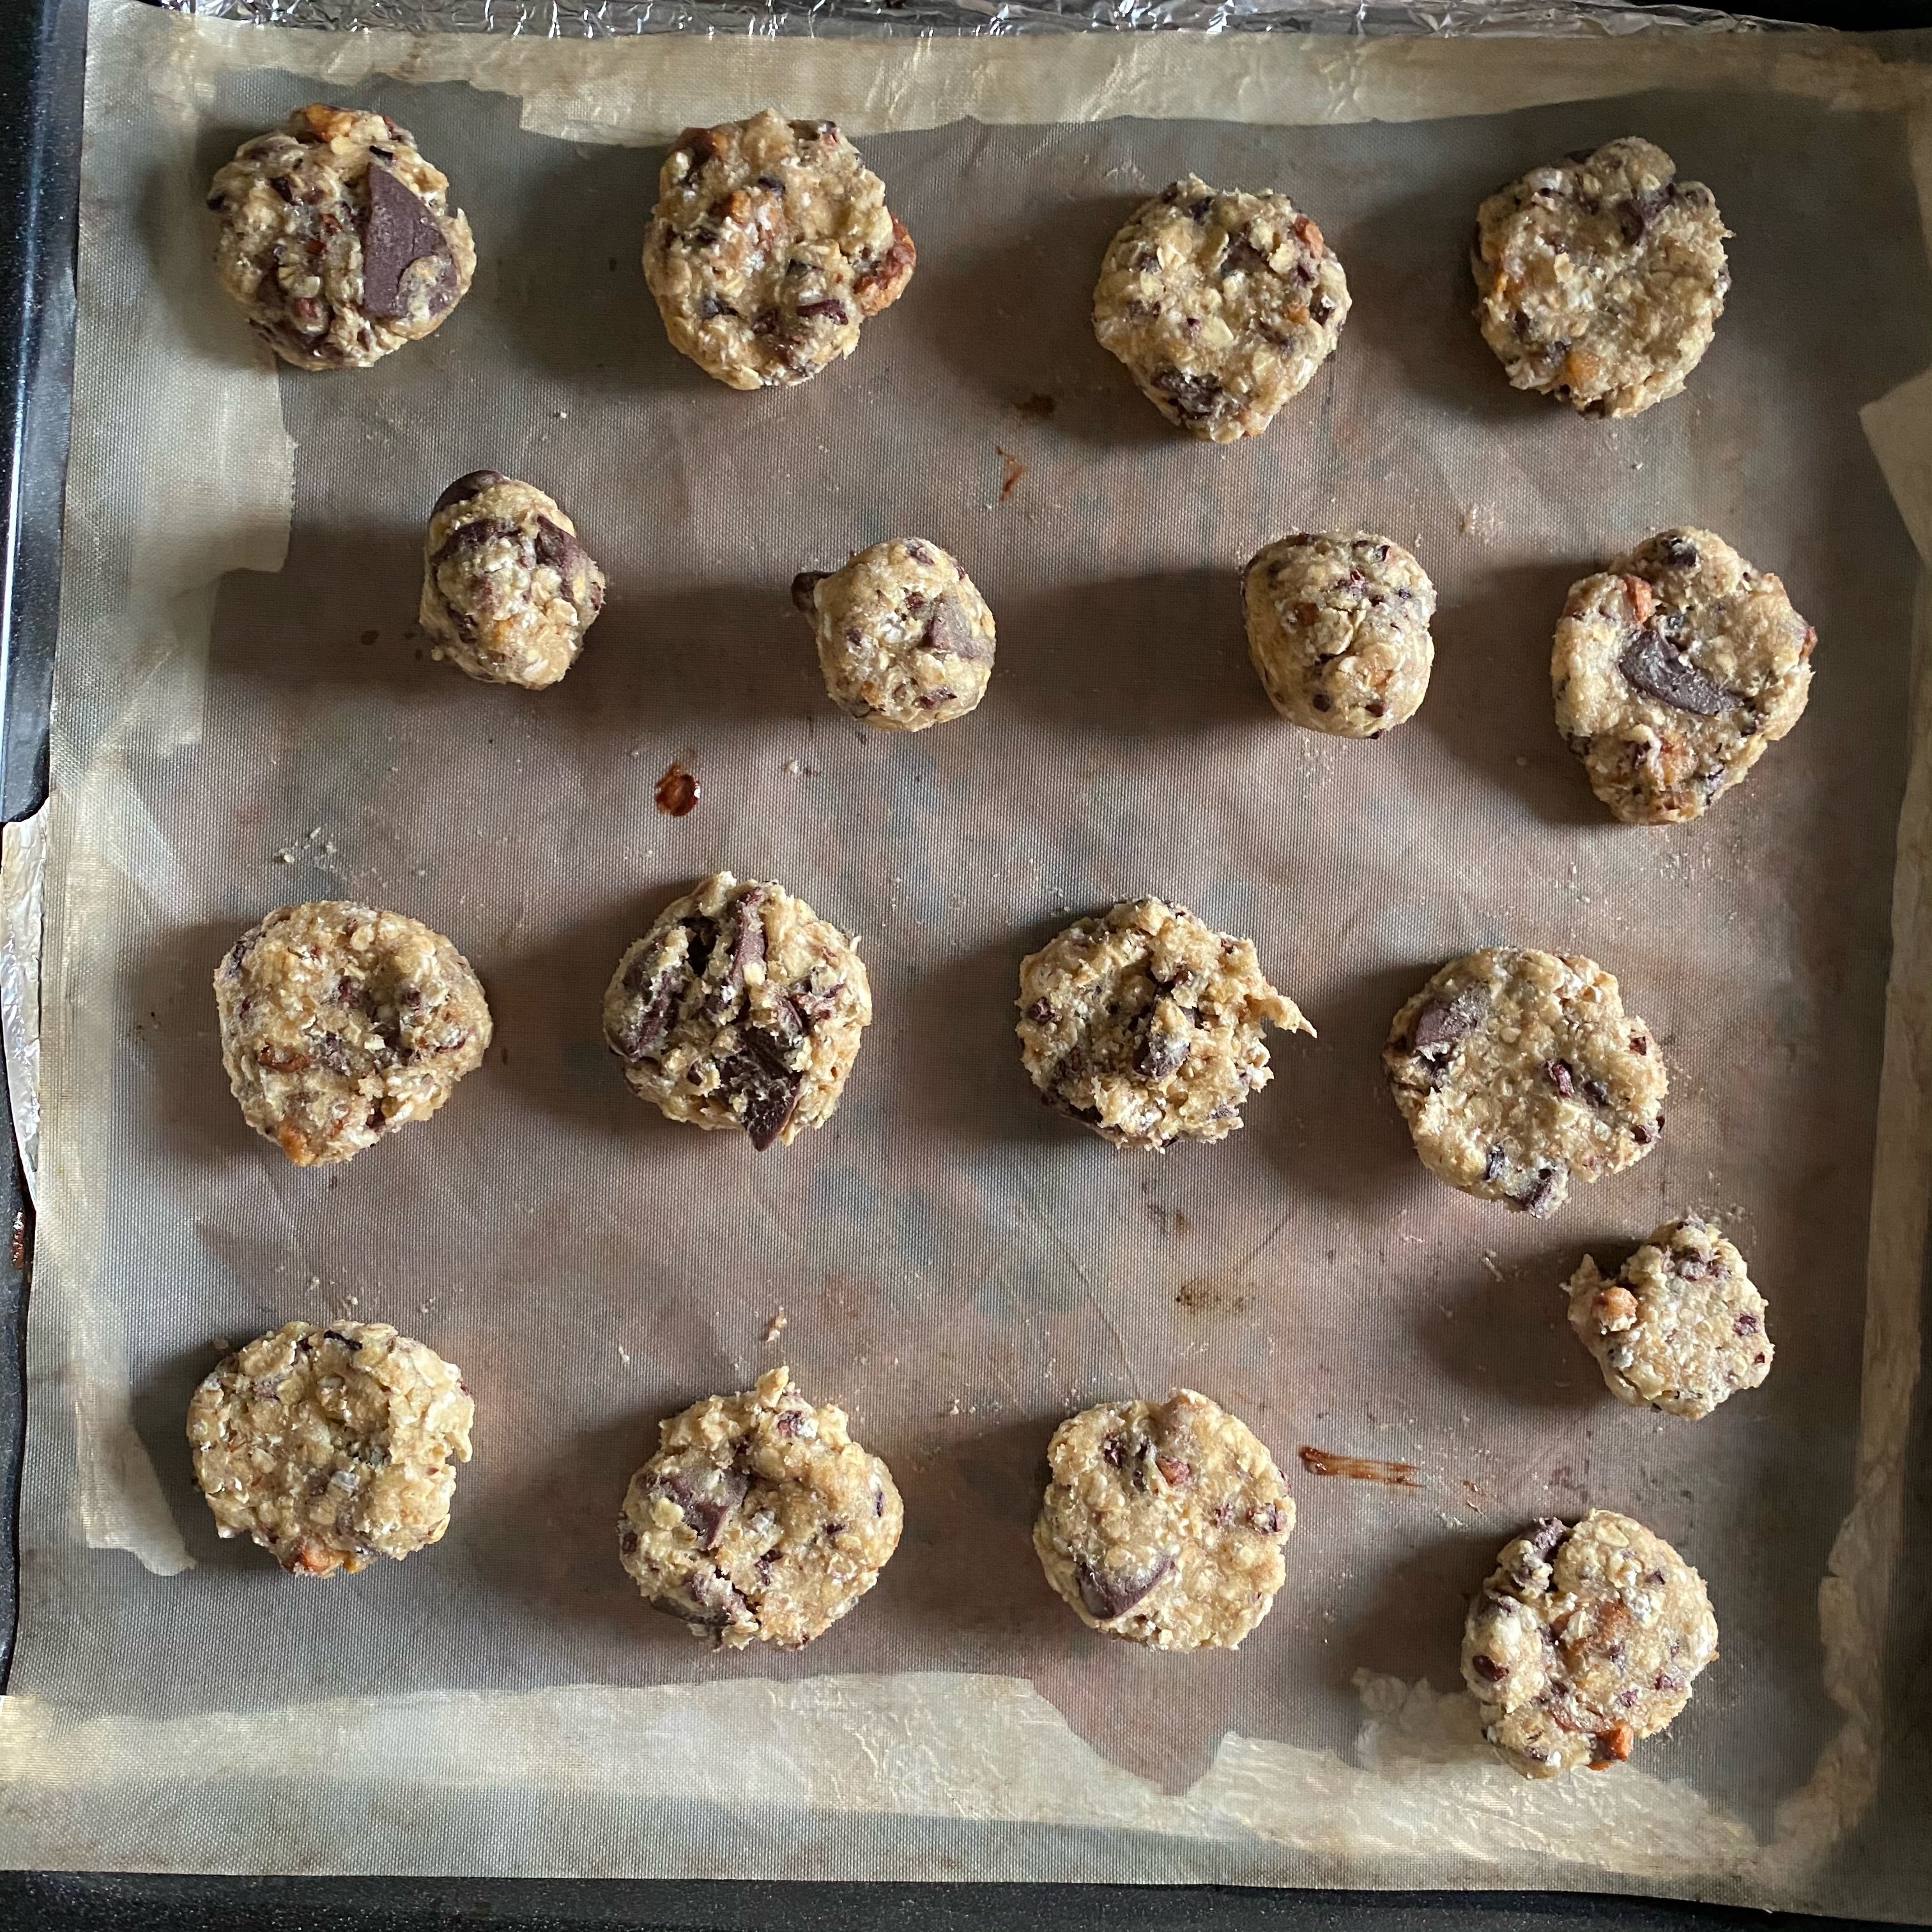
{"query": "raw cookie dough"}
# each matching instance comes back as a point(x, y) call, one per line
point(1585, 1639)
point(759, 1516)
point(1164, 1521)
point(1338, 628)
point(1673, 670)
point(339, 1022)
point(1223, 306)
point(770, 245)
point(507, 590)
point(1516, 1070)
point(338, 239)
point(1146, 1025)
point(1601, 279)
point(740, 1008)
point(332, 1446)
point(904, 638)
point(1679, 1327)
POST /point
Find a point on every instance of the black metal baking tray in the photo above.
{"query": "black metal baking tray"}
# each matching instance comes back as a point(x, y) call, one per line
point(42, 57)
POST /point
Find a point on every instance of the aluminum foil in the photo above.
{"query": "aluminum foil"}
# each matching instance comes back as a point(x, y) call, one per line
point(585, 18)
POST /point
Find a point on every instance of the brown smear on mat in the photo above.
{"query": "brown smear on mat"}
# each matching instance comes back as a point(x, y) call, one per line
point(677, 791)
point(1013, 470)
point(1363, 1468)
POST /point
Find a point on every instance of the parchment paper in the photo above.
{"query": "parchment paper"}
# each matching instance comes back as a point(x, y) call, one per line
point(247, 718)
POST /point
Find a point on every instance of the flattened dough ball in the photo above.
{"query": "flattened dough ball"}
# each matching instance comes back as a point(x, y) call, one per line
point(1338, 629)
point(740, 1008)
point(1163, 1522)
point(340, 1022)
point(758, 1517)
point(770, 245)
point(904, 638)
point(1146, 1025)
point(1585, 1639)
point(1221, 305)
point(1679, 1327)
point(1601, 279)
point(508, 589)
point(1518, 1070)
point(337, 238)
point(333, 1446)
point(1673, 670)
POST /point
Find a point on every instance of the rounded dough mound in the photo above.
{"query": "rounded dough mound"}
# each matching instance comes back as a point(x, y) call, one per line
point(1673, 670)
point(904, 638)
point(1517, 1070)
point(758, 1517)
point(1585, 1639)
point(740, 1008)
point(1163, 1522)
point(340, 1022)
point(1338, 629)
point(770, 245)
point(508, 589)
point(1601, 279)
point(332, 1446)
point(1146, 1025)
point(337, 238)
point(1679, 1327)
point(1221, 305)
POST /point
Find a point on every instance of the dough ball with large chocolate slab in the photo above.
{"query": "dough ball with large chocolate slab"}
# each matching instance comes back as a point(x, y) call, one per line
point(1673, 670)
point(338, 239)
point(904, 638)
point(740, 1008)
point(770, 246)
point(509, 591)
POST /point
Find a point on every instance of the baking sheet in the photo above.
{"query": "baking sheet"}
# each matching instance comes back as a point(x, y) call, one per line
point(245, 717)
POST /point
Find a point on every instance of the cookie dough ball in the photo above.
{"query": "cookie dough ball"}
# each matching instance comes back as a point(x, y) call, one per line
point(904, 638)
point(1164, 1522)
point(333, 1446)
point(507, 590)
point(1673, 670)
point(1338, 628)
point(758, 1517)
point(1585, 1639)
point(740, 1008)
point(1679, 1327)
point(338, 239)
point(770, 245)
point(339, 1022)
point(1223, 306)
point(1146, 1025)
point(1601, 279)
point(1518, 1071)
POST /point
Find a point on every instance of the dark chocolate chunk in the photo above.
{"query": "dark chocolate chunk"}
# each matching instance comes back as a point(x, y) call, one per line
point(1241, 257)
point(802, 587)
point(1547, 1192)
point(831, 308)
point(1198, 209)
point(1557, 1072)
point(398, 230)
point(757, 1075)
point(1108, 1593)
point(1549, 1532)
point(657, 982)
point(1745, 1325)
point(1653, 667)
point(949, 634)
point(1192, 398)
point(1160, 1053)
point(465, 487)
point(1492, 1163)
point(707, 1498)
point(748, 947)
point(1673, 551)
point(1488, 1669)
point(710, 307)
point(1441, 1023)
point(700, 143)
point(1321, 308)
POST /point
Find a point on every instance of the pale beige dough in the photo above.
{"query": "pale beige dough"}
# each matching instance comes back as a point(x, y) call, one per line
point(332, 1446)
point(1585, 1639)
point(339, 1022)
point(1679, 1327)
point(1146, 1025)
point(1673, 670)
point(1518, 1071)
point(1163, 1522)
point(1338, 631)
point(1221, 305)
point(759, 1517)
point(1601, 279)
point(904, 638)
point(337, 238)
point(740, 1008)
point(507, 590)
point(770, 245)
